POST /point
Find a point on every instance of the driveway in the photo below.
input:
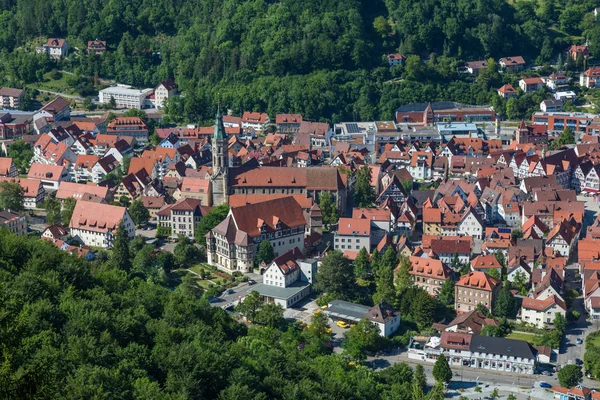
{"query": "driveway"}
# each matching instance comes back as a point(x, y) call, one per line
point(239, 292)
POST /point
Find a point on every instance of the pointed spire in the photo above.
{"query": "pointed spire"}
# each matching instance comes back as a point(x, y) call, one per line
point(219, 127)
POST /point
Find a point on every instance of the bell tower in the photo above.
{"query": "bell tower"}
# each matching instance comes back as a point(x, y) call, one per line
point(220, 162)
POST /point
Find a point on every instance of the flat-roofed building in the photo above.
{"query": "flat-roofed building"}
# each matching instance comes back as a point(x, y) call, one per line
point(383, 315)
point(125, 96)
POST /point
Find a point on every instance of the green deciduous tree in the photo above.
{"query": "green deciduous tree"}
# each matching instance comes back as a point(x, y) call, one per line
point(11, 196)
point(250, 306)
point(505, 305)
point(441, 370)
point(361, 339)
point(362, 264)
point(21, 153)
point(329, 210)
point(186, 252)
point(364, 195)
point(121, 256)
point(53, 212)
point(336, 275)
point(68, 206)
point(385, 290)
point(271, 315)
point(319, 327)
point(500, 257)
point(446, 293)
point(265, 252)
point(209, 221)
point(138, 212)
point(570, 375)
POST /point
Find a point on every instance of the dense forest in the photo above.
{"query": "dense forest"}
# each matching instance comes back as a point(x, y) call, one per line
point(323, 58)
point(114, 329)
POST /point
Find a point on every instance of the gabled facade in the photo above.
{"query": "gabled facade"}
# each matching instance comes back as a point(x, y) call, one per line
point(232, 244)
point(95, 224)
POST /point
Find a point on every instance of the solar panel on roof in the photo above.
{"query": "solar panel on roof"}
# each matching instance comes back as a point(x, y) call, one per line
point(353, 128)
point(504, 230)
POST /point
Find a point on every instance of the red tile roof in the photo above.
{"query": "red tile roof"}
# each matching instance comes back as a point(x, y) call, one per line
point(429, 267)
point(288, 118)
point(542, 305)
point(354, 226)
point(478, 280)
point(96, 217)
point(252, 217)
point(45, 172)
point(73, 190)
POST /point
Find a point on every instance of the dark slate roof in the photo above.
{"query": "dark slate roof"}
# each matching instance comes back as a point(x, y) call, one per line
point(436, 105)
point(502, 347)
point(419, 196)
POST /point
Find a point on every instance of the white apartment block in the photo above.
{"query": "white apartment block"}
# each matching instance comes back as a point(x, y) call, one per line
point(125, 96)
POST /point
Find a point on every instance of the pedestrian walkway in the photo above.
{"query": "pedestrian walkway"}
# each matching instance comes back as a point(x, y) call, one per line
point(503, 391)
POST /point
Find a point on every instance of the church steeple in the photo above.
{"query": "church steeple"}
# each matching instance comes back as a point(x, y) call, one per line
point(220, 162)
point(219, 127)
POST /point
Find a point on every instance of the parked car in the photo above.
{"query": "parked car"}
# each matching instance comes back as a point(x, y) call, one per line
point(578, 361)
point(545, 385)
point(229, 291)
point(579, 341)
point(251, 282)
point(342, 324)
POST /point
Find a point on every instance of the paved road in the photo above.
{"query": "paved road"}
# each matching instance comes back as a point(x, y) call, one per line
point(239, 292)
point(67, 96)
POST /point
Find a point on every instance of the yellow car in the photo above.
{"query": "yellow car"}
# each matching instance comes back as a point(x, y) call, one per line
point(329, 330)
point(324, 307)
point(342, 324)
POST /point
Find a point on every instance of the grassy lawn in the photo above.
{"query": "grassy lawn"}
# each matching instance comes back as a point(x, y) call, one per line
point(53, 85)
point(196, 268)
point(532, 338)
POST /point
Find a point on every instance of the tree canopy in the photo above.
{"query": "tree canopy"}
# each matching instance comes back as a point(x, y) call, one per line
point(11, 196)
point(570, 375)
point(79, 329)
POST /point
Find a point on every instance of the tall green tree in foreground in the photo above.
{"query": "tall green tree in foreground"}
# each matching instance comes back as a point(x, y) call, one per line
point(53, 213)
point(441, 370)
point(209, 221)
point(336, 275)
point(570, 375)
point(138, 212)
point(446, 293)
point(362, 264)
point(361, 339)
point(364, 195)
point(329, 209)
point(265, 252)
point(120, 251)
point(11, 196)
point(68, 207)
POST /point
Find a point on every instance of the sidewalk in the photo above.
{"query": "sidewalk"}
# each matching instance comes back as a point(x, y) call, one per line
point(503, 391)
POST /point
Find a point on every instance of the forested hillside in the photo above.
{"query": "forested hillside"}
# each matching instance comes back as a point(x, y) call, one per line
point(70, 329)
point(323, 58)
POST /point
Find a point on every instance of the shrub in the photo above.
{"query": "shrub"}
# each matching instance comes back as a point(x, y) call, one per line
point(55, 75)
point(573, 316)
